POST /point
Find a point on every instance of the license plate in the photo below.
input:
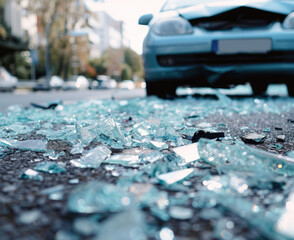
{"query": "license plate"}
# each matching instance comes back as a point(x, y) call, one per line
point(245, 46)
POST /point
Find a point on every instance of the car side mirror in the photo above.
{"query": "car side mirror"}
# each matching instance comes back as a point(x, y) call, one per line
point(145, 19)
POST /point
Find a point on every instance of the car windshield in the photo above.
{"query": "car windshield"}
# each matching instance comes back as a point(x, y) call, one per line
point(177, 4)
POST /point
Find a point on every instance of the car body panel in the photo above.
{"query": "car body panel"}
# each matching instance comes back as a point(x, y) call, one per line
point(200, 43)
point(7, 81)
point(210, 8)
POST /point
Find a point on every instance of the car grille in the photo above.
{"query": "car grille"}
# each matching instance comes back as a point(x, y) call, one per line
point(213, 59)
point(242, 18)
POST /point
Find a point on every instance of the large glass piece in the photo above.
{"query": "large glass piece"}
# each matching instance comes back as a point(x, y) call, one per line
point(175, 176)
point(30, 145)
point(93, 158)
point(98, 197)
point(242, 158)
point(49, 167)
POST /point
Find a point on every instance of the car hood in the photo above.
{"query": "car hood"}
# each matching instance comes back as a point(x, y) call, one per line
point(211, 8)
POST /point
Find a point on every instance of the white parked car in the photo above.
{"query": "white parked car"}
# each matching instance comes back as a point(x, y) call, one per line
point(77, 83)
point(127, 84)
point(7, 81)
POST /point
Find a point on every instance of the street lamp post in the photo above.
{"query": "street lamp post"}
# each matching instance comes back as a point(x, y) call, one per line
point(48, 65)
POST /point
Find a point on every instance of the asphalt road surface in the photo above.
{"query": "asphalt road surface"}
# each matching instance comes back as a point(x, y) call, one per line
point(232, 191)
point(25, 98)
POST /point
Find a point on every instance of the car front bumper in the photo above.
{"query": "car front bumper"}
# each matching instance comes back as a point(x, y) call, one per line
point(189, 59)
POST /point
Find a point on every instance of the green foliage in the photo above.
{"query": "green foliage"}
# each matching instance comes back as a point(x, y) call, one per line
point(17, 64)
point(126, 72)
point(100, 65)
point(133, 60)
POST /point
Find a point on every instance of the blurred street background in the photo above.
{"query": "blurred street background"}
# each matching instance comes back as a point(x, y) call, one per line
point(71, 44)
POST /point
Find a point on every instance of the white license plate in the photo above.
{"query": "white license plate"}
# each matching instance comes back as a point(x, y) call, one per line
point(245, 46)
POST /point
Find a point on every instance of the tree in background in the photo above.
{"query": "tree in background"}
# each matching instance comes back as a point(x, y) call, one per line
point(99, 64)
point(126, 72)
point(63, 16)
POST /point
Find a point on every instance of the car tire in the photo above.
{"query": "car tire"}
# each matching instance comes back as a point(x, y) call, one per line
point(259, 89)
point(290, 88)
point(161, 90)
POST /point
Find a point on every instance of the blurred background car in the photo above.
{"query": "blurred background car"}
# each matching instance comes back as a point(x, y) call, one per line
point(78, 82)
point(127, 85)
point(7, 81)
point(216, 43)
point(55, 83)
point(103, 82)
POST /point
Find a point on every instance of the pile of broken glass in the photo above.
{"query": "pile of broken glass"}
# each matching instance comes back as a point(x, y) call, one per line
point(143, 144)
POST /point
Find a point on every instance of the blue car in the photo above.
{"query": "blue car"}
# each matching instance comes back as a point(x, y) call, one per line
point(219, 43)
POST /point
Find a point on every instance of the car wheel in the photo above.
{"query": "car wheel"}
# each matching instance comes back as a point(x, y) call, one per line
point(259, 88)
point(162, 90)
point(290, 87)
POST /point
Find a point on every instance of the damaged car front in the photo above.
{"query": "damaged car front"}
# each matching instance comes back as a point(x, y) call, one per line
point(215, 43)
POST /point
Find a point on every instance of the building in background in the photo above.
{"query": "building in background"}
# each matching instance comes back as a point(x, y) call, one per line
point(12, 36)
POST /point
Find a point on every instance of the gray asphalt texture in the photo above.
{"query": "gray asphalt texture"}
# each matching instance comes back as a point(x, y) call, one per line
point(26, 195)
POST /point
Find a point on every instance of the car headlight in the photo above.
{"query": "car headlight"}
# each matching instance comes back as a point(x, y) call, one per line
point(172, 26)
point(289, 21)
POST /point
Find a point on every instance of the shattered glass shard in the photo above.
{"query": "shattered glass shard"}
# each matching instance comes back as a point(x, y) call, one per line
point(84, 134)
point(154, 197)
point(151, 157)
point(188, 152)
point(86, 226)
point(123, 159)
point(175, 176)
point(93, 158)
point(158, 145)
point(111, 129)
point(31, 174)
point(253, 138)
point(55, 193)
point(128, 225)
point(284, 224)
point(29, 217)
point(181, 213)
point(229, 158)
point(49, 167)
point(30, 145)
point(77, 148)
point(99, 197)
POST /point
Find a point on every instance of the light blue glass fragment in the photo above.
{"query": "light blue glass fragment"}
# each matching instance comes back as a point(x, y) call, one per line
point(30, 145)
point(54, 193)
point(161, 214)
point(29, 217)
point(188, 152)
point(229, 158)
point(268, 130)
point(151, 157)
point(284, 224)
point(86, 226)
point(128, 225)
point(123, 159)
point(77, 148)
point(84, 134)
point(98, 197)
point(31, 174)
point(66, 235)
point(157, 145)
point(175, 176)
point(111, 129)
point(156, 198)
point(181, 213)
point(93, 158)
point(49, 167)
point(53, 155)
point(74, 181)
point(166, 234)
